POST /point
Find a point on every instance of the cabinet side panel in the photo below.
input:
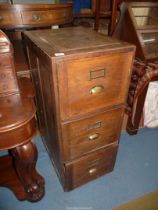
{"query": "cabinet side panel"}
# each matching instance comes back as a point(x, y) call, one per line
point(41, 71)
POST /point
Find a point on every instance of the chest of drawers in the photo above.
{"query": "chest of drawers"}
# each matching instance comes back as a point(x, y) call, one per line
point(81, 80)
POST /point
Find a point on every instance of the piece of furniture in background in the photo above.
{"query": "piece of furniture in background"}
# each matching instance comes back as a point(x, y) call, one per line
point(16, 18)
point(17, 128)
point(138, 24)
point(110, 7)
point(85, 13)
point(101, 7)
point(81, 83)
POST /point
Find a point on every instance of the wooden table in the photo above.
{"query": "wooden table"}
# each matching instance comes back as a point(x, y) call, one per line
point(17, 18)
point(17, 128)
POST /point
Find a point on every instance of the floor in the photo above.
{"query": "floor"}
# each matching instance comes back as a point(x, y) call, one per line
point(135, 173)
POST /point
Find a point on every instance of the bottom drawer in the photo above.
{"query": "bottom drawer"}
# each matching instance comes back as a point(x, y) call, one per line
point(90, 167)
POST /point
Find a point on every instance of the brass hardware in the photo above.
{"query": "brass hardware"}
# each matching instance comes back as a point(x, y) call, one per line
point(92, 171)
point(97, 89)
point(94, 136)
point(95, 125)
point(93, 163)
point(36, 17)
point(95, 74)
point(1, 18)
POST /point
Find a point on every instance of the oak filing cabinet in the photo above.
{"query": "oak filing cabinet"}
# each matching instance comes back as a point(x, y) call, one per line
point(81, 80)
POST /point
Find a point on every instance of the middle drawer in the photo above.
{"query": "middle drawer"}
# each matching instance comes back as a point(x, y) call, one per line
point(83, 136)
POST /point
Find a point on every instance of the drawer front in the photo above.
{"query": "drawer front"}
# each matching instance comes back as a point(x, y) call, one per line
point(10, 18)
point(90, 167)
point(83, 136)
point(89, 84)
point(47, 17)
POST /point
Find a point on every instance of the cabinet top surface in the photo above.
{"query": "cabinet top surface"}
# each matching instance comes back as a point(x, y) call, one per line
point(73, 40)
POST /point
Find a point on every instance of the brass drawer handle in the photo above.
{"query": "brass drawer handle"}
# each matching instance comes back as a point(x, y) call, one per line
point(1, 18)
point(94, 136)
point(92, 171)
point(97, 89)
point(36, 17)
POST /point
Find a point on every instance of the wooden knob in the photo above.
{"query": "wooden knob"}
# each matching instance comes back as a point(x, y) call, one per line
point(36, 17)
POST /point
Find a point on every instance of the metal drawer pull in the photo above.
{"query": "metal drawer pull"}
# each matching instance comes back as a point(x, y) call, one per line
point(97, 89)
point(94, 136)
point(36, 17)
point(92, 171)
point(95, 125)
point(1, 18)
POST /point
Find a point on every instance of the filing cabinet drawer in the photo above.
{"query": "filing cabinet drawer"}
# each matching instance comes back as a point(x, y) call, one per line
point(89, 134)
point(90, 167)
point(46, 17)
point(93, 83)
point(9, 18)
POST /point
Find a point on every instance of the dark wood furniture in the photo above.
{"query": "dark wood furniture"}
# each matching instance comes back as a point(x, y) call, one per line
point(22, 16)
point(81, 80)
point(100, 8)
point(112, 8)
point(17, 128)
point(138, 25)
point(15, 18)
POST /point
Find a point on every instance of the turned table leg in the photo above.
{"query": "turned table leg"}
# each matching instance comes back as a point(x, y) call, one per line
point(25, 158)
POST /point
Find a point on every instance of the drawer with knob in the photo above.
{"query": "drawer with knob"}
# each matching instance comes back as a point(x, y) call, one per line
point(86, 135)
point(90, 166)
point(92, 83)
point(46, 17)
point(22, 16)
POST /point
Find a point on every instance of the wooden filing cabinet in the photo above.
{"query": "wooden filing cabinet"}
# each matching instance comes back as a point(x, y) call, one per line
point(81, 80)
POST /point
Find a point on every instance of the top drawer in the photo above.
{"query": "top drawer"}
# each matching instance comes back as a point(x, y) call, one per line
point(86, 85)
point(47, 17)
